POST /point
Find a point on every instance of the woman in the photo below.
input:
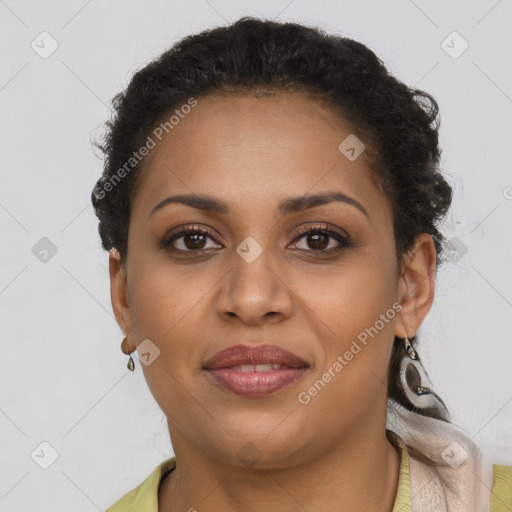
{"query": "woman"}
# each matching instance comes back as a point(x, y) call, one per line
point(271, 199)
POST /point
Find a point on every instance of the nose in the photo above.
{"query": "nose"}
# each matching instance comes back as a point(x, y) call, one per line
point(255, 291)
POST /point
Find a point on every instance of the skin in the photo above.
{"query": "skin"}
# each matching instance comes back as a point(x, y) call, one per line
point(252, 152)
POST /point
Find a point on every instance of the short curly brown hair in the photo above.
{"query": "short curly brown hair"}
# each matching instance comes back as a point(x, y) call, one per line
point(398, 124)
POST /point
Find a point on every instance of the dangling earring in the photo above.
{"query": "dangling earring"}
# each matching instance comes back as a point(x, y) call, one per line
point(130, 364)
point(416, 383)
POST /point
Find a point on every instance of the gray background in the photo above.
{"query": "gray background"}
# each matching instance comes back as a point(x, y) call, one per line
point(63, 378)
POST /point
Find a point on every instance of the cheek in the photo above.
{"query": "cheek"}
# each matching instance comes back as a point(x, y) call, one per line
point(354, 311)
point(165, 309)
point(162, 298)
point(346, 300)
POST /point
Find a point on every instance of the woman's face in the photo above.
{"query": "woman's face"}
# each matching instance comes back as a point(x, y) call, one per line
point(252, 278)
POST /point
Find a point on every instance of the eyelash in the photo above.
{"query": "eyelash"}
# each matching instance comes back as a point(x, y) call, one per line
point(343, 240)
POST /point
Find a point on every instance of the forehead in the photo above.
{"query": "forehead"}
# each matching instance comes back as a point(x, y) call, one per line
point(244, 146)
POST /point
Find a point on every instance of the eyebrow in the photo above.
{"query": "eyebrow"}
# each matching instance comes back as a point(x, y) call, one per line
point(286, 206)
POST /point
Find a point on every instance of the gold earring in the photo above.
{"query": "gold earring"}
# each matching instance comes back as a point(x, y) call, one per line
point(130, 365)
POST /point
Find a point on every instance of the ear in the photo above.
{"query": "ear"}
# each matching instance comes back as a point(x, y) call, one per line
point(417, 285)
point(118, 293)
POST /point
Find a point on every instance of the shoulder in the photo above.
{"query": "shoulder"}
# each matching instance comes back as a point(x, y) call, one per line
point(145, 496)
point(457, 472)
point(473, 483)
point(501, 497)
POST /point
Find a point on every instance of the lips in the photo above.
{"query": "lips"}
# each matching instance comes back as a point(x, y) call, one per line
point(255, 371)
point(239, 355)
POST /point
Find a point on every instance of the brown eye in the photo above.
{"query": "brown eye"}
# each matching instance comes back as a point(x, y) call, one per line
point(193, 240)
point(319, 239)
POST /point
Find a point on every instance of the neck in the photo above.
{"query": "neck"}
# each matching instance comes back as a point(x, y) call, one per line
point(361, 473)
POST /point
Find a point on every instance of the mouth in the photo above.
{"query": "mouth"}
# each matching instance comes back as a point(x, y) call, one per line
point(255, 371)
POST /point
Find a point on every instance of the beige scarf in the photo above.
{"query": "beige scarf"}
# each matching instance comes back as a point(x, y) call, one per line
point(464, 477)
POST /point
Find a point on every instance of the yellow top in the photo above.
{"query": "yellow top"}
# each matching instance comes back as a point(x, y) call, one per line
point(145, 496)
